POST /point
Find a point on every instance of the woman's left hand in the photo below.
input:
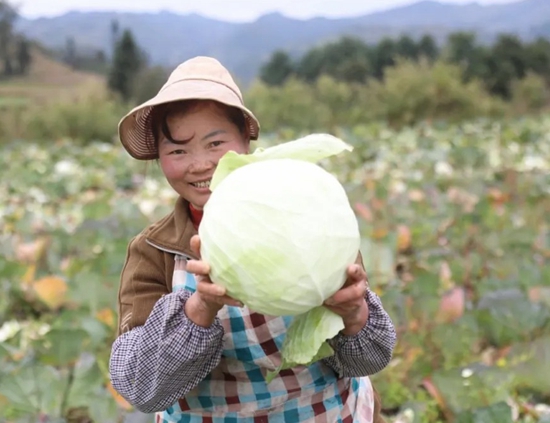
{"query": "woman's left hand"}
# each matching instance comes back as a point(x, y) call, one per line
point(349, 302)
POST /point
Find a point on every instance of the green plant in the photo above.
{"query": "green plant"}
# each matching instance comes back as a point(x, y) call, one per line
point(454, 225)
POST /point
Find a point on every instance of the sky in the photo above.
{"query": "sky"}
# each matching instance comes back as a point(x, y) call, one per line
point(227, 10)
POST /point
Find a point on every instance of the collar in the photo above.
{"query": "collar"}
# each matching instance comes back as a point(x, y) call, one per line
point(173, 233)
point(195, 215)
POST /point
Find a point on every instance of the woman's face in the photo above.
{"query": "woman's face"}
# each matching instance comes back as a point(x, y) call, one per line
point(209, 134)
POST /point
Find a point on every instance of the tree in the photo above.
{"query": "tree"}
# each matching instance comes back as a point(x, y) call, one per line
point(148, 82)
point(506, 63)
point(278, 69)
point(509, 48)
point(383, 56)
point(70, 52)
point(8, 15)
point(115, 32)
point(311, 65)
point(23, 56)
point(92, 61)
point(407, 48)
point(348, 60)
point(537, 57)
point(463, 50)
point(432, 91)
point(461, 46)
point(15, 49)
point(127, 63)
point(345, 60)
point(427, 48)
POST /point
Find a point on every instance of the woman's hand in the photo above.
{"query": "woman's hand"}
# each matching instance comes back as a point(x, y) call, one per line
point(209, 298)
point(349, 302)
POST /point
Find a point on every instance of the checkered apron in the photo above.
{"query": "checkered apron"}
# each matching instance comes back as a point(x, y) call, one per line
point(236, 391)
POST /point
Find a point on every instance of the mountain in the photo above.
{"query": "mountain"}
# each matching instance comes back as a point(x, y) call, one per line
point(514, 16)
point(169, 38)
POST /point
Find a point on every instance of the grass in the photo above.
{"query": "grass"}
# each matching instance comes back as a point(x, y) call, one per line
point(34, 102)
point(49, 81)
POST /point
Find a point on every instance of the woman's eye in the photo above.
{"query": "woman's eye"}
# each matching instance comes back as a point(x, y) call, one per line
point(216, 143)
point(177, 152)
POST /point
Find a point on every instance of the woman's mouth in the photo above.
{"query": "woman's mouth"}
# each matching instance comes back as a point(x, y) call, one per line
point(201, 184)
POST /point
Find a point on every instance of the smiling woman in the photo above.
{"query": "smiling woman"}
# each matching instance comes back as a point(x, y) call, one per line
point(185, 349)
point(191, 136)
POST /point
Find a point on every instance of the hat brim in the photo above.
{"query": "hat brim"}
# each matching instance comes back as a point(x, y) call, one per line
point(135, 129)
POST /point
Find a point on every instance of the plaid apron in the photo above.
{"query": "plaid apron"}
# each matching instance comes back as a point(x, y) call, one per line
point(236, 391)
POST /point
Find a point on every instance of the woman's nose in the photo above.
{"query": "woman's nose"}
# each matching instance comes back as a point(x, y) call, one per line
point(200, 164)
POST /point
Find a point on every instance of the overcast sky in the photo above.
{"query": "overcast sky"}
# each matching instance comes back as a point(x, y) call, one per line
point(230, 10)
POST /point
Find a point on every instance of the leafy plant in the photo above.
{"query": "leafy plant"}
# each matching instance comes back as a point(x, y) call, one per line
point(455, 238)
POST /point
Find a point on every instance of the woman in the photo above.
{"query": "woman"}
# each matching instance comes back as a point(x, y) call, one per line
point(186, 350)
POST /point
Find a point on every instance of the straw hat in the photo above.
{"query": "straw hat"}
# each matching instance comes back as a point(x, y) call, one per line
point(197, 78)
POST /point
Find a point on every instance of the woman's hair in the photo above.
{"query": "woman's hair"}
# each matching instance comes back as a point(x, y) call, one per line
point(160, 113)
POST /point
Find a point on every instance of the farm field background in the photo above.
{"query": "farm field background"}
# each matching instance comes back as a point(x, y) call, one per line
point(455, 221)
point(449, 178)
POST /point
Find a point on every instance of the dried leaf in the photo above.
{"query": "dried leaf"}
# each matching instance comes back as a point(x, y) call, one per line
point(539, 294)
point(379, 233)
point(416, 195)
point(488, 356)
point(364, 212)
point(106, 316)
point(404, 238)
point(414, 325)
point(436, 395)
point(378, 290)
point(462, 197)
point(28, 277)
point(497, 197)
point(18, 355)
point(31, 252)
point(370, 184)
point(452, 305)
point(51, 290)
point(378, 204)
point(446, 275)
point(411, 354)
point(65, 264)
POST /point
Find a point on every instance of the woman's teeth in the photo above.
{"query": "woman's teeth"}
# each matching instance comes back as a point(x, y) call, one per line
point(204, 184)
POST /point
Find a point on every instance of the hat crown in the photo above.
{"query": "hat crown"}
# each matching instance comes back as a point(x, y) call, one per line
point(203, 68)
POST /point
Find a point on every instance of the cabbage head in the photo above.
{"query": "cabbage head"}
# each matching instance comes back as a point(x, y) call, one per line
point(279, 233)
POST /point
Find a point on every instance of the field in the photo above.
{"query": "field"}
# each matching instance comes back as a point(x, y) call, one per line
point(48, 83)
point(49, 80)
point(456, 238)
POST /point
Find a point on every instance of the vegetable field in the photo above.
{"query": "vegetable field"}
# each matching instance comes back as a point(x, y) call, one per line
point(456, 240)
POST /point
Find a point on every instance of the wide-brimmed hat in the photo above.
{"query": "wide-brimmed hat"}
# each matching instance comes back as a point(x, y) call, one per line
point(199, 78)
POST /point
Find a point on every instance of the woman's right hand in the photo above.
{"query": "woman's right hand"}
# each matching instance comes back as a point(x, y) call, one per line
point(203, 306)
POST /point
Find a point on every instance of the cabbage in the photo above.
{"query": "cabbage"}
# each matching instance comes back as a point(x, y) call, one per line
point(279, 233)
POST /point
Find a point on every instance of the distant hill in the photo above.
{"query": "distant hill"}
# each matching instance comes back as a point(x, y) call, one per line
point(49, 80)
point(170, 38)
